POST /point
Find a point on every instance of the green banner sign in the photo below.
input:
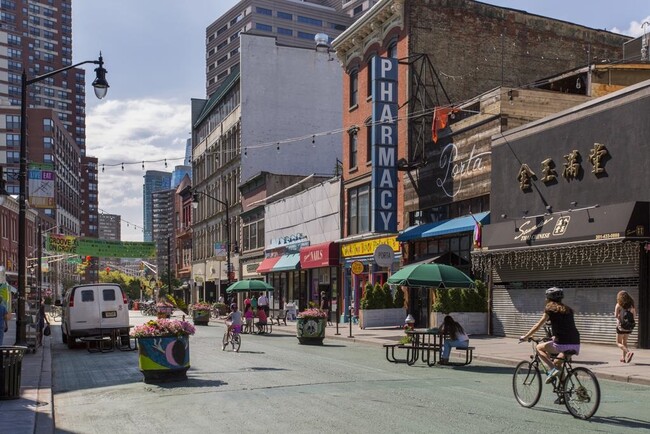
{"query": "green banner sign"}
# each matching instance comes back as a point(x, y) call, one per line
point(99, 248)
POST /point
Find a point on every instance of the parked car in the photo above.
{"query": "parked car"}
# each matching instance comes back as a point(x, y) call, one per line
point(89, 310)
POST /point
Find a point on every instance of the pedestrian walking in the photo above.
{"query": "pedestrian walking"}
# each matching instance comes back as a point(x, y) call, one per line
point(624, 312)
point(325, 305)
point(4, 320)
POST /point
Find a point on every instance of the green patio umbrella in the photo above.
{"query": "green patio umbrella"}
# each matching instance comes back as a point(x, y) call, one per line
point(249, 285)
point(431, 275)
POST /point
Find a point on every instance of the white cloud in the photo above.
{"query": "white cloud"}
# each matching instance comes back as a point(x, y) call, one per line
point(636, 28)
point(129, 132)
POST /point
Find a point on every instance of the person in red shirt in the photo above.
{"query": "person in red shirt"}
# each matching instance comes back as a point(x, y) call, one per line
point(262, 318)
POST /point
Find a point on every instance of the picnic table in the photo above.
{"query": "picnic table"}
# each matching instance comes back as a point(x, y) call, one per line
point(424, 343)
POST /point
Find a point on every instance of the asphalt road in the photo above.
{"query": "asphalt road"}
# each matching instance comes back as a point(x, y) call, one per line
point(275, 385)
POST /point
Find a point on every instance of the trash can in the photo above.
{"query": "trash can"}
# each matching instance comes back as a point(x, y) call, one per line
point(11, 363)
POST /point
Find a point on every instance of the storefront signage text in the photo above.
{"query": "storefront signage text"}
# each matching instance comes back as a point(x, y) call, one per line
point(571, 170)
point(384, 145)
point(364, 248)
point(457, 170)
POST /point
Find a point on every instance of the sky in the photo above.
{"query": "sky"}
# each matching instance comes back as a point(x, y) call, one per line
point(154, 52)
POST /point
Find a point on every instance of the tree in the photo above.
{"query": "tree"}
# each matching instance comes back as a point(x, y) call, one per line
point(398, 299)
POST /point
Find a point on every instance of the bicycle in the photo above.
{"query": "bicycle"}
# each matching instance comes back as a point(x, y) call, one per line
point(232, 338)
point(577, 388)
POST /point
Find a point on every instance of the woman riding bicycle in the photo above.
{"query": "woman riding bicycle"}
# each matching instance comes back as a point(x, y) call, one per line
point(234, 318)
point(565, 334)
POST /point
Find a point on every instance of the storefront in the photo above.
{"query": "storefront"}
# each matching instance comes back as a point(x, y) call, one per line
point(571, 195)
point(282, 271)
point(363, 251)
point(591, 253)
point(321, 264)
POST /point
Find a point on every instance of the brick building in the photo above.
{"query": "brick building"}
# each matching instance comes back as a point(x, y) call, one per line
point(448, 53)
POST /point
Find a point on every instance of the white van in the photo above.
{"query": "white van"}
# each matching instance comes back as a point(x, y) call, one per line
point(87, 309)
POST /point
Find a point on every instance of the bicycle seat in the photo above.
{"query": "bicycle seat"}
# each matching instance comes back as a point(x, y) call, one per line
point(570, 353)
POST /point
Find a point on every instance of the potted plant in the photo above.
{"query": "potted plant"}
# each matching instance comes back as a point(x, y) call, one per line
point(310, 326)
point(220, 308)
point(164, 309)
point(163, 349)
point(380, 307)
point(201, 313)
point(468, 306)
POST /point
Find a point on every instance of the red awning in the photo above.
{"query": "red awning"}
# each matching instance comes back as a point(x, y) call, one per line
point(267, 264)
point(319, 255)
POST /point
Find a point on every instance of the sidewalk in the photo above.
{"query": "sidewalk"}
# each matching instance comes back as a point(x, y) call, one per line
point(33, 412)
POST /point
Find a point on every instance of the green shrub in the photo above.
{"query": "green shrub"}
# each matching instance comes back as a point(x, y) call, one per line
point(461, 300)
point(398, 298)
point(388, 296)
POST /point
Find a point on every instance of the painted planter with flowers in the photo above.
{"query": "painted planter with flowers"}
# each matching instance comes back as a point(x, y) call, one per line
point(163, 349)
point(201, 313)
point(310, 327)
point(164, 309)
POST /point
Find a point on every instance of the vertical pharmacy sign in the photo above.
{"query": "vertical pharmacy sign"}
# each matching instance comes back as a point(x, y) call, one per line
point(384, 145)
point(41, 186)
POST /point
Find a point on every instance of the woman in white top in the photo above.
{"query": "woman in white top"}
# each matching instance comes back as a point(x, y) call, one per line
point(456, 338)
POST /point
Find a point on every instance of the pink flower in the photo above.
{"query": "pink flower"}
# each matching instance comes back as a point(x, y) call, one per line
point(163, 327)
point(312, 313)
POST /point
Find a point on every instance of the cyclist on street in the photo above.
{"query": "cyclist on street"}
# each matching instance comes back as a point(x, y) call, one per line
point(565, 334)
point(234, 318)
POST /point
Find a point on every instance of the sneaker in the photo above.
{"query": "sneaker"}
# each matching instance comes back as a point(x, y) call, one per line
point(628, 357)
point(551, 375)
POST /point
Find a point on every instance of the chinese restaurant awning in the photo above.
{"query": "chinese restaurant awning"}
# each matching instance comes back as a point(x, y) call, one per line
point(266, 266)
point(319, 255)
point(625, 221)
point(287, 262)
point(457, 225)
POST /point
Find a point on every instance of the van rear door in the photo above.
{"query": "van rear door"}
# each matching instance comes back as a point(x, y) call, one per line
point(85, 309)
point(112, 310)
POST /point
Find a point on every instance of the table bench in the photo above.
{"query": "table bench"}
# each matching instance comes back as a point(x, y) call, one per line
point(278, 316)
point(265, 329)
point(98, 344)
point(469, 354)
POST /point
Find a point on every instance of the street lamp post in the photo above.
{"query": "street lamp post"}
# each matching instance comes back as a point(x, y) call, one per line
point(195, 204)
point(101, 87)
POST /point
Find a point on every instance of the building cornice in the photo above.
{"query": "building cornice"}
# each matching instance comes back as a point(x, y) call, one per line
point(371, 28)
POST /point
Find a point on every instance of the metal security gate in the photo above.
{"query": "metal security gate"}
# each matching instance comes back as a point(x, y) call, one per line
point(590, 289)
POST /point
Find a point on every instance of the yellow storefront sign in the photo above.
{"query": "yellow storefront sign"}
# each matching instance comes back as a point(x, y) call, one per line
point(367, 247)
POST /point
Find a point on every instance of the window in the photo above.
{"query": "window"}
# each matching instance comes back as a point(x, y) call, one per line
point(335, 26)
point(359, 210)
point(48, 142)
point(311, 21)
point(13, 122)
point(13, 140)
point(357, 10)
point(13, 157)
point(392, 49)
point(369, 84)
point(283, 31)
point(264, 11)
point(48, 158)
point(263, 27)
point(108, 294)
point(223, 44)
point(223, 59)
point(305, 35)
point(354, 88)
point(87, 295)
point(221, 30)
point(369, 139)
point(353, 147)
point(285, 16)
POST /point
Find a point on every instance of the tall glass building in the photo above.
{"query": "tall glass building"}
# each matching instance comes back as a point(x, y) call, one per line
point(154, 180)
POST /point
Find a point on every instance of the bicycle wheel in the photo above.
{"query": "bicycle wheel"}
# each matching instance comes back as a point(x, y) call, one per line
point(236, 342)
point(581, 393)
point(527, 384)
point(224, 342)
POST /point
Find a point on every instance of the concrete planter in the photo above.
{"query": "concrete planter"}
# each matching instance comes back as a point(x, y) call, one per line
point(310, 331)
point(164, 359)
point(381, 317)
point(201, 317)
point(474, 323)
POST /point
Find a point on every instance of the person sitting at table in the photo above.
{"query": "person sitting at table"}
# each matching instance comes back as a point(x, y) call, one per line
point(261, 315)
point(455, 336)
point(249, 315)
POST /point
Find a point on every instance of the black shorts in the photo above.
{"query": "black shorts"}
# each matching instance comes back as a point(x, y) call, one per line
point(620, 331)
